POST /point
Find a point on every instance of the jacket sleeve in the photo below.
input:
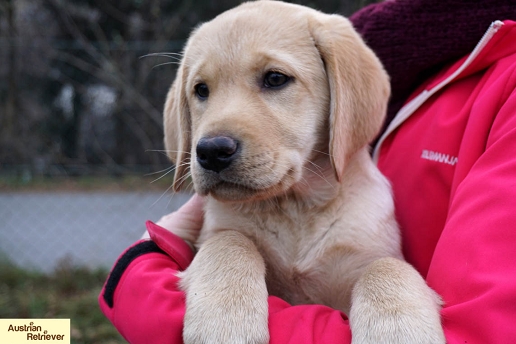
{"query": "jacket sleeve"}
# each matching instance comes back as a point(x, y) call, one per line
point(142, 299)
point(474, 263)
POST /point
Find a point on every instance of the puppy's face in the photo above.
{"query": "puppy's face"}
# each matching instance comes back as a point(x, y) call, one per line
point(252, 103)
point(257, 101)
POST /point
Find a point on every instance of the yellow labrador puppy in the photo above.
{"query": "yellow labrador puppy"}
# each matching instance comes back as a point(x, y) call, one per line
point(271, 112)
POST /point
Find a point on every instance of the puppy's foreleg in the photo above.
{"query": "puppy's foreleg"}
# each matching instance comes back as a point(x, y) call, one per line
point(226, 294)
point(391, 303)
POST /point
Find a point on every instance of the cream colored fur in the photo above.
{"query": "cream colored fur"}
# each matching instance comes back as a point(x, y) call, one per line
point(302, 213)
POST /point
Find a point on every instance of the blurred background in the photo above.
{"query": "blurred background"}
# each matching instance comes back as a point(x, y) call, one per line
point(82, 165)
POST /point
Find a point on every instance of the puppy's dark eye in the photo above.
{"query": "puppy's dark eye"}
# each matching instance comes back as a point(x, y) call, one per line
point(202, 91)
point(275, 80)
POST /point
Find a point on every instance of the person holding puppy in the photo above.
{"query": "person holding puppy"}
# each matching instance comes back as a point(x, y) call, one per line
point(447, 149)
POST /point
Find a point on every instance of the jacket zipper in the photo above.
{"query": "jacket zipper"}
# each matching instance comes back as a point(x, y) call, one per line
point(408, 109)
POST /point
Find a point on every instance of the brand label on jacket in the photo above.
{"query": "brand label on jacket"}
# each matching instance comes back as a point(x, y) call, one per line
point(439, 157)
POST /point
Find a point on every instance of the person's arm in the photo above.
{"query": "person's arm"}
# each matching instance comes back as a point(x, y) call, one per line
point(459, 220)
point(142, 299)
point(474, 264)
point(140, 296)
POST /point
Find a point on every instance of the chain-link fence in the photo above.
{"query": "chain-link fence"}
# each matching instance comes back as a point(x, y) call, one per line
point(42, 230)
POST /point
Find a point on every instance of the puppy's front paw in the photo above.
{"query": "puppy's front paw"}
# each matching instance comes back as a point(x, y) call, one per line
point(226, 294)
point(209, 321)
point(391, 304)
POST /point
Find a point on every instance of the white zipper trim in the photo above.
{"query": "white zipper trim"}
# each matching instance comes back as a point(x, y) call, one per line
point(407, 110)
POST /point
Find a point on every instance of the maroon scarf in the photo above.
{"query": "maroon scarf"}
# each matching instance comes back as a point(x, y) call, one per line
point(415, 38)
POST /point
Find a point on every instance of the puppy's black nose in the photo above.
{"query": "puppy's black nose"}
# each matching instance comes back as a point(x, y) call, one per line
point(216, 153)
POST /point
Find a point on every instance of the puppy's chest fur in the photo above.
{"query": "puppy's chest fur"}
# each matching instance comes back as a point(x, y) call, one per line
point(287, 239)
point(312, 254)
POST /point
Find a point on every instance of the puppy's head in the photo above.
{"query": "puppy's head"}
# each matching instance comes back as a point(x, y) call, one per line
point(263, 90)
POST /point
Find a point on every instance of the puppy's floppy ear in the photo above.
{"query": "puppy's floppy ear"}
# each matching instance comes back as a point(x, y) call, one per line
point(359, 87)
point(178, 129)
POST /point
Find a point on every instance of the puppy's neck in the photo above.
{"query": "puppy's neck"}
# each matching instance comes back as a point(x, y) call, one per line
point(318, 186)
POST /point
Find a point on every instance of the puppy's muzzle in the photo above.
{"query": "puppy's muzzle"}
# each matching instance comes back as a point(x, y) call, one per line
point(216, 153)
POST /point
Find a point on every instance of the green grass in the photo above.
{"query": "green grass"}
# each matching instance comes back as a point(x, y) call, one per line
point(69, 292)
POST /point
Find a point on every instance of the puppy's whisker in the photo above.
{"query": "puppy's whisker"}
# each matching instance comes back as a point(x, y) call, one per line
point(183, 164)
point(321, 152)
point(183, 178)
point(320, 175)
point(319, 168)
point(177, 56)
point(190, 185)
point(176, 151)
point(166, 173)
point(161, 171)
point(167, 151)
point(167, 63)
point(163, 194)
point(156, 151)
point(164, 151)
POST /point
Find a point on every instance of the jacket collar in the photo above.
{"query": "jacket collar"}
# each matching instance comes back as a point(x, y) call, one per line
point(497, 42)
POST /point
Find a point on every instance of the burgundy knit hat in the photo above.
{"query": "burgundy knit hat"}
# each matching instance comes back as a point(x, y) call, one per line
point(415, 38)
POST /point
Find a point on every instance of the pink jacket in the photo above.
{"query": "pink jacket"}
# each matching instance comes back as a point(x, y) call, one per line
point(450, 154)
